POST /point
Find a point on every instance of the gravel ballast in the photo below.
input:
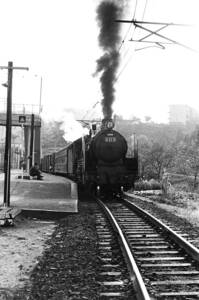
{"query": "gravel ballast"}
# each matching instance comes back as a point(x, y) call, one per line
point(67, 269)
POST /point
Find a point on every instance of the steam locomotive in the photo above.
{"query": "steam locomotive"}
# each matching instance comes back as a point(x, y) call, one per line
point(99, 162)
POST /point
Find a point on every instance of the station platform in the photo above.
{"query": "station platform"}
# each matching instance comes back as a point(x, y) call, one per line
point(52, 194)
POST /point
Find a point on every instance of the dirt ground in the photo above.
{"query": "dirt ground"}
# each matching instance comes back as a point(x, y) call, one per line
point(43, 260)
point(21, 246)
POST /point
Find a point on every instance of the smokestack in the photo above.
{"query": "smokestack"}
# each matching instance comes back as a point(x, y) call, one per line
point(109, 38)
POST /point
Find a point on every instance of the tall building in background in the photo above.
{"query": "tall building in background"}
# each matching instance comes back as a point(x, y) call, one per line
point(184, 114)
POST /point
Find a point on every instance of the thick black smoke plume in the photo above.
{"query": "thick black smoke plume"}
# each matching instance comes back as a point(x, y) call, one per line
point(109, 37)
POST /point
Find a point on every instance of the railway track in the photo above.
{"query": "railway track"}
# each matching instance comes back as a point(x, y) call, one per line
point(113, 278)
point(162, 264)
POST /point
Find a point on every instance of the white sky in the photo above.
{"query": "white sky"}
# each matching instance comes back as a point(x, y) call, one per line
point(57, 40)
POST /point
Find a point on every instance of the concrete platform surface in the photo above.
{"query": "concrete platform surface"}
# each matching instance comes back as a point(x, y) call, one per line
point(53, 193)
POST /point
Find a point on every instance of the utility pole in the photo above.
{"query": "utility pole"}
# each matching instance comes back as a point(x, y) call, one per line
point(7, 156)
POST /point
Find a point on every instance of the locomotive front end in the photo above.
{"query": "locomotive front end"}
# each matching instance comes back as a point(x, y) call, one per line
point(109, 149)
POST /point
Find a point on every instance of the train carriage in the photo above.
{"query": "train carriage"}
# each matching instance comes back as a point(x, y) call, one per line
point(60, 162)
point(45, 163)
point(70, 169)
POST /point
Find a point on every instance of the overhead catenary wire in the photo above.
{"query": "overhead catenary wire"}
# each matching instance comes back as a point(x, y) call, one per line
point(124, 67)
point(141, 25)
point(90, 109)
point(165, 38)
point(153, 43)
point(126, 35)
point(128, 30)
point(143, 15)
point(155, 32)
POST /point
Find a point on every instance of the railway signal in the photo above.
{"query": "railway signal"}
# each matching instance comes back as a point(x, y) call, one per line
point(22, 119)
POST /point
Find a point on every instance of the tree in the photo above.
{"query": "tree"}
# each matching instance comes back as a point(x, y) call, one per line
point(144, 147)
point(193, 161)
point(52, 136)
point(147, 118)
point(154, 157)
point(160, 157)
point(187, 157)
point(135, 120)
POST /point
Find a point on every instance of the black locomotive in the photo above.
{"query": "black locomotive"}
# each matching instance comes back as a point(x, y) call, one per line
point(97, 162)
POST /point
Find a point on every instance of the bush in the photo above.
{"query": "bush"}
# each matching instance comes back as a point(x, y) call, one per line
point(147, 185)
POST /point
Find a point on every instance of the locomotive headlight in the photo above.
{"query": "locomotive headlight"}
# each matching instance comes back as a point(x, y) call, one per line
point(107, 124)
point(110, 124)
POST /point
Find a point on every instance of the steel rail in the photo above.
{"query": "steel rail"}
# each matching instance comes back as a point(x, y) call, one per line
point(135, 276)
point(178, 239)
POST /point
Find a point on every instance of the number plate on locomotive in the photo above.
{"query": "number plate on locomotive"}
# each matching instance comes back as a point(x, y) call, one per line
point(110, 139)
